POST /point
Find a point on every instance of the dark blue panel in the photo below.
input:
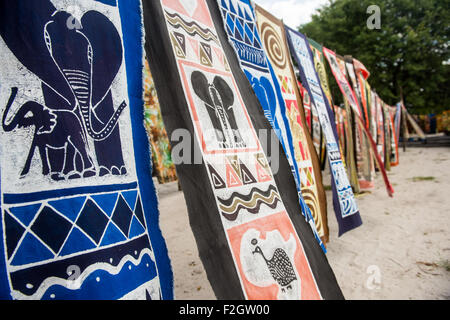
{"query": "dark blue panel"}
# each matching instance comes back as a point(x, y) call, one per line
point(92, 221)
point(51, 228)
point(76, 242)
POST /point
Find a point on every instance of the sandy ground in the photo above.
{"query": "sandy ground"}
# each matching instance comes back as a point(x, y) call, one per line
point(402, 251)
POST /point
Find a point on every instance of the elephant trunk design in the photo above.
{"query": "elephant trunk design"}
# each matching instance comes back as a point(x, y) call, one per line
point(221, 114)
point(76, 66)
point(219, 99)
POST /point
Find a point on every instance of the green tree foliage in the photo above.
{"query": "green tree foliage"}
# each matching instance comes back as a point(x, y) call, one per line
point(408, 56)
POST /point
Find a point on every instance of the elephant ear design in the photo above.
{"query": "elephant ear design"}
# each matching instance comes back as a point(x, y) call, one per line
point(270, 94)
point(225, 91)
point(201, 87)
point(264, 91)
point(22, 29)
point(107, 52)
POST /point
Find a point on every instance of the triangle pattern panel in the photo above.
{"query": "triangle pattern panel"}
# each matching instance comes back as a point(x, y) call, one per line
point(31, 250)
point(70, 207)
point(233, 180)
point(224, 5)
point(14, 231)
point(239, 27)
point(235, 164)
point(122, 216)
point(262, 174)
point(106, 202)
point(92, 220)
point(130, 198)
point(177, 47)
point(139, 213)
point(52, 228)
point(72, 225)
point(181, 41)
point(256, 39)
point(249, 33)
point(247, 176)
point(136, 228)
point(232, 9)
point(309, 176)
point(205, 58)
point(240, 12)
point(217, 180)
point(112, 235)
point(25, 214)
point(194, 45)
point(76, 242)
point(303, 178)
point(247, 15)
point(230, 22)
point(247, 40)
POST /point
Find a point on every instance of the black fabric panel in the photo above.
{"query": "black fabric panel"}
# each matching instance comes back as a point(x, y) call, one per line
point(203, 213)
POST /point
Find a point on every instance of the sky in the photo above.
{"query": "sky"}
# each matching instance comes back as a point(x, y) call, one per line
point(293, 12)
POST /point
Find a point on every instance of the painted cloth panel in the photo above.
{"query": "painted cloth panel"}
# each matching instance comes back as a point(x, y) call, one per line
point(159, 141)
point(344, 202)
point(362, 74)
point(387, 137)
point(273, 38)
point(397, 121)
point(381, 149)
point(363, 156)
point(244, 216)
point(78, 205)
point(275, 89)
point(271, 33)
point(394, 144)
point(316, 132)
point(319, 64)
point(373, 113)
point(350, 147)
point(351, 153)
point(239, 22)
point(352, 100)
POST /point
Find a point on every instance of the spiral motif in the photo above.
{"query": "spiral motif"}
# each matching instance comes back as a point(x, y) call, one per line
point(273, 46)
point(312, 203)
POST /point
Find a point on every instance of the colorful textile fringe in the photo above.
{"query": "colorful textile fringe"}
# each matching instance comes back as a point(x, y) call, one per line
point(344, 202)
point(161, 152)
point(309, 177)
point(320, 69)
point(245, 216)
point(78, 205)
point(363, 156)
point(314, 126)
point(350, 151)
point(352, 100)
point(381, 148)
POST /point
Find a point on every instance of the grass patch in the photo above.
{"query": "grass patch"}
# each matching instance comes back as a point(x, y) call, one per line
point(420, 178)
point(445, 264)
point(362, 194)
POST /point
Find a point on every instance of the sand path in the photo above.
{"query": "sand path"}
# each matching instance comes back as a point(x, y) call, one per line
point(402, 251)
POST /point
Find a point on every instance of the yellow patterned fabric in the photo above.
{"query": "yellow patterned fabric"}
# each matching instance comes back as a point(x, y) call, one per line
point(159, 141)
point(273, 38)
